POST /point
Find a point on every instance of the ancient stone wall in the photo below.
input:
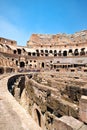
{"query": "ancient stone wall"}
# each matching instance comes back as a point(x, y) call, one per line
point(48, 101)
point(61, 52)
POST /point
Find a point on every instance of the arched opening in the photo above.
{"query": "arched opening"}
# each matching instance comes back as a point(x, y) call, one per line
point(42, 64)
point(76, 52)
point(42, 51)
point(26, 62)
point(55, 52)
point(65, 53)
point(14, 51)
point(82, 51)
point(50, 51)
point(46, 51)
point(38, 117)
point(38, 54)
point(17, 62)
point(37, 51)
point(22, 64)
point(70, 52)
point(1, 70)
point(19, 51)
point(60, 53)
point(30, 66)
point(8, 70)
point(46, 54)
point(33, 54)
point(29, 53)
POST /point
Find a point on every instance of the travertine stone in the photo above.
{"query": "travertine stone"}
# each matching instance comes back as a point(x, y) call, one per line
point(67, 123)
point(83, 108)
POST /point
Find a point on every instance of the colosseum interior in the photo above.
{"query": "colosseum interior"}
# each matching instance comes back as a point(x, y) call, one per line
point(43, 85)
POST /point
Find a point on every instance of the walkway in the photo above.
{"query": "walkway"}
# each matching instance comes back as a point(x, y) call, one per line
point(12, 115)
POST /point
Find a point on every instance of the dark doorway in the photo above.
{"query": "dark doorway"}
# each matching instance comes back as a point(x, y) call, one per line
point(29, 53)
point(19, 51)
point(70, 50)
point(1, 70)
point(65, 53)
point(8, 70)
point(59, 53)
point(38, 117)
point(82, 51)
point(14, 51)
point(76, 52)
point(42, 64)
point(22, 64)
point(17, 62)
point(33, 54)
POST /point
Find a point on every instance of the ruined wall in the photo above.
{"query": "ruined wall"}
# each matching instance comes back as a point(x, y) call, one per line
point(8, 41)
point(60, 52)
point(50, 99)
point(47, 99)
point(58, 39)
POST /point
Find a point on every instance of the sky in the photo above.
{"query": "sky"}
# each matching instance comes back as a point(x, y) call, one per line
point(19, 19)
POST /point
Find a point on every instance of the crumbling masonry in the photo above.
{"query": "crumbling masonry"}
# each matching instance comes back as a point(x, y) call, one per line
point(52, 81)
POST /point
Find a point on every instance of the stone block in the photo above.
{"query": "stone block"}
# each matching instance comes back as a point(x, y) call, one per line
point(83, 109)
point(67, 123)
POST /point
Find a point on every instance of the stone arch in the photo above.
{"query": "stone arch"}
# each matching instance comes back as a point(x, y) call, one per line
point(76, 52)
point(46, 51)
point(70, 52)
point(65, 53)
point(60, 53)
point(37, 51)
point(55, 52)
point(14, 51)
point(33, 54)
point(19, 51)
point(42, 51)
point(16, 62)
point(50, 51)
point(82, 52)
point(42, 64)
point(22, 64)
point(9, 70)
point(38, 117)
point(29, 53)
point(1, 70)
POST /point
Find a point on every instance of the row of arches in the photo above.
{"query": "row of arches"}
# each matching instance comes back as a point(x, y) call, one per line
point(46, 52)
point(60, 53)
point(75, 52)
point(6, 70)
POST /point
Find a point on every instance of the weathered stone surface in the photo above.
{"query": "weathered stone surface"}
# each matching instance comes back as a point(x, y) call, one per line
point(61, 61)
point(83, 108)
point(45, 103)
point(67, 123)
point(12, 115)
point(57, 39)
